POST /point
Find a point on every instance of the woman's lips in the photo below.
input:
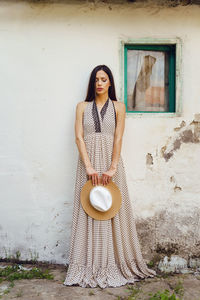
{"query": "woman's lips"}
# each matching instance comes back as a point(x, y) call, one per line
point(99, 89)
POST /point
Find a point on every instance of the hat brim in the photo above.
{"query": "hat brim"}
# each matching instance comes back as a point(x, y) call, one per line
point(94, 213)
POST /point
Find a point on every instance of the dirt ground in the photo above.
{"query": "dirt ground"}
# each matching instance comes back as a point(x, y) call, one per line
point(187, 287)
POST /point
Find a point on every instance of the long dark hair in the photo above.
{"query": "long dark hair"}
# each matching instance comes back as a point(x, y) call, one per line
point(91, 85)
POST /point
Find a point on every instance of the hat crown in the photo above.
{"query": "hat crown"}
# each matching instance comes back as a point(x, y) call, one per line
point(101, 198)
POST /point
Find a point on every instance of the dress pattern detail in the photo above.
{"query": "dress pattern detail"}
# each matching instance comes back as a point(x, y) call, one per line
point(95, 115)
point(104, 253)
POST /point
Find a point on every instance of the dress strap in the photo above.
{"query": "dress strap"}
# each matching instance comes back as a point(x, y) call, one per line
point(114, 113)
point(95, 116)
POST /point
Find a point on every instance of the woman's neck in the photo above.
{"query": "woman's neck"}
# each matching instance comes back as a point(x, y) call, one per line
point(101, 99)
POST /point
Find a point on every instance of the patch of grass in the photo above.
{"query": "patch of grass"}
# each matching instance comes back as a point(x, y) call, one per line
point(18, 254)
point(179, 290)
point(150, 264)
point(91, 293)
point(177, 287)
point(7, 291)
point(14, 272)
point(11, 284)
point(156, 258)
point(166, 274)
point(19, 293)
point(133, 290)
point(165, 295)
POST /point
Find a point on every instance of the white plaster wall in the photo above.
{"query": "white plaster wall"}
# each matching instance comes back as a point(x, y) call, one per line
point(47, 52)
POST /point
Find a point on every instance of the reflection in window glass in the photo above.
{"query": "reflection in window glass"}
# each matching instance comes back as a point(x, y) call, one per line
point(147, 80)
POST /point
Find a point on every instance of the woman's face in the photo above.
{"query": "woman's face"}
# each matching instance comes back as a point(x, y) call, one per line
point(102, 82)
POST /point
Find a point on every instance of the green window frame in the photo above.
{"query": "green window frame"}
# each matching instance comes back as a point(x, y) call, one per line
point(171, 50)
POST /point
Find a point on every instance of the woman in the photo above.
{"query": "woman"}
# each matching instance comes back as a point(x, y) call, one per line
point(102, 253)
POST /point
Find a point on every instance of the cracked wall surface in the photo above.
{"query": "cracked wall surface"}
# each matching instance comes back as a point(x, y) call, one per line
point(47, 53)
point(174, 229)
point(184, 134)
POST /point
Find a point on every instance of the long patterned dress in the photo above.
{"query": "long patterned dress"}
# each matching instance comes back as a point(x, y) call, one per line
point(103, 253)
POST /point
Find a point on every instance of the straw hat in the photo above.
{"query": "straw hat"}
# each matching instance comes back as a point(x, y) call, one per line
point(101, 202)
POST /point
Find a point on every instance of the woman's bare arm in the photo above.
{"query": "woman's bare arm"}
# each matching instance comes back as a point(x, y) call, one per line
point(121, 113)
point(79, 136)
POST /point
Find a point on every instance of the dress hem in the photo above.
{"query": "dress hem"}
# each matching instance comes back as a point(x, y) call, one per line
point(111, 276)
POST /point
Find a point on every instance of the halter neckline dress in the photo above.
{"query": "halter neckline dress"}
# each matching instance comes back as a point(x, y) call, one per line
point(103, 253)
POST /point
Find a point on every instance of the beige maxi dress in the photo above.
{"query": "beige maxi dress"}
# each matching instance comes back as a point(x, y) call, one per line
point(103, 253)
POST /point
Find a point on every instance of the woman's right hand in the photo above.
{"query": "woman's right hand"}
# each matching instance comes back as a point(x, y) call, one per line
point(92, 174)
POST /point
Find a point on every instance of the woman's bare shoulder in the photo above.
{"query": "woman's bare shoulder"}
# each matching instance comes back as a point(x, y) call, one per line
point(80, 106)
point(119, 106)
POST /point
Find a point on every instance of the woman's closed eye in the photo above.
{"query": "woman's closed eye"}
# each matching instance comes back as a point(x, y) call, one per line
point(104, 80)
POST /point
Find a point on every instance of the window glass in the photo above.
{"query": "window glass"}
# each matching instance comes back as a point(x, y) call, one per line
point(150, 79)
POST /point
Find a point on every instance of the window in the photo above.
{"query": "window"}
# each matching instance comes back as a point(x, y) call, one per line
point(150, 72)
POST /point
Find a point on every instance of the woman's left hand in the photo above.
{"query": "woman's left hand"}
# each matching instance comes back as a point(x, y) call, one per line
point(106, 176)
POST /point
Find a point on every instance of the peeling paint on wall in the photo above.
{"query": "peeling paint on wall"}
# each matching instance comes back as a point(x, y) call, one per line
point(176, 187)
point(185, 134)
point(149, 159)
point(183, 123)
